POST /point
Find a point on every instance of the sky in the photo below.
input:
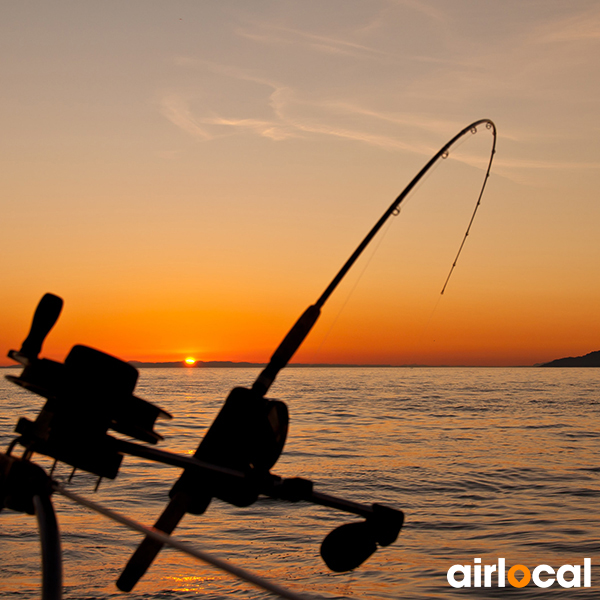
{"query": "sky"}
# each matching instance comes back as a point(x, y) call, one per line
point(189, 176)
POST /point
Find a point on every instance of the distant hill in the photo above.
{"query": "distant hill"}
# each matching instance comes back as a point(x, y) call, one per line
point(197, 365)
point(589, 360)
point(227, 364)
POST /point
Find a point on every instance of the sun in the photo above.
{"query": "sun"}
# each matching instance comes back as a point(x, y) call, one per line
point(190, 361)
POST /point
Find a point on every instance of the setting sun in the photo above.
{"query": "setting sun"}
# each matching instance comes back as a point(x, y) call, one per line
point(190, 361)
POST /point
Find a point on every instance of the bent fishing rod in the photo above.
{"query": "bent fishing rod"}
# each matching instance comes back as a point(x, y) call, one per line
point(305, 323)
point(244, 406)
point(92, 392)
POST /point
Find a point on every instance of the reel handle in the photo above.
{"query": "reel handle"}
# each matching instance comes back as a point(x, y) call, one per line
point(46, 315)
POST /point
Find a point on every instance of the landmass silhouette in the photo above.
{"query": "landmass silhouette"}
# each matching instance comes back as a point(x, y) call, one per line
point(231, 364)
point(589, 360)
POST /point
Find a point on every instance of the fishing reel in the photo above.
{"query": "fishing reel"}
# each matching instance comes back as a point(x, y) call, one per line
point(88, 394)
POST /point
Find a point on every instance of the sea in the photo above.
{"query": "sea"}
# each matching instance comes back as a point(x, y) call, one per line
point(486, 463)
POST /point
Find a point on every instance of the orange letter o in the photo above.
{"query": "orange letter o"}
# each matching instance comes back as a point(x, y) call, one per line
point(514, 581)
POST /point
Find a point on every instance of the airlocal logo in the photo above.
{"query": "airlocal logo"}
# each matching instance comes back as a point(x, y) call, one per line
point(543, 575)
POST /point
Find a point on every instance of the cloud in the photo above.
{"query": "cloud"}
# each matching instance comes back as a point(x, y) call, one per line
point(421, 7)
point(175, 108)
point(268, 129)
point(295, 118)
point(577, 28)
point(319, 117)
point(316, 42)
point(550, 165)
point(287, 113)
point(523, 78)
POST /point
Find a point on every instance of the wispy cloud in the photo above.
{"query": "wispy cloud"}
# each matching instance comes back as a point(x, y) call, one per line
point(176, 109)
point(518, 73)
point(424, 8)
point(292, 115)
point(576, 28)
point(548, 165)
point(275, 34)
point(268, 129)
point(322, 117)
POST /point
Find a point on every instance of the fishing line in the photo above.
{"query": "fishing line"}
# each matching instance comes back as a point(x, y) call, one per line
point(419, 342)
point(168, 540)
point(488, 125)
point(351, 292)
point(394, 210)
point(387, 228)
point(430, 318)
point(297, 334)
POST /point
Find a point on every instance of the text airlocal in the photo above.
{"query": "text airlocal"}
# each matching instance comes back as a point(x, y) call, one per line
point(478, 575)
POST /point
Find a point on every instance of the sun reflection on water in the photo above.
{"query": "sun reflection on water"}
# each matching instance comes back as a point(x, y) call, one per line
point(190, 583)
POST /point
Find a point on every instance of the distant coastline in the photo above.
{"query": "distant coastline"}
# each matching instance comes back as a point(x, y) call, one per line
point(228, 364)
point(588, 360)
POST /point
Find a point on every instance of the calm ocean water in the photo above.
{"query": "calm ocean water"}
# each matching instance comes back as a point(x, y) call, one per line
point(485, 462)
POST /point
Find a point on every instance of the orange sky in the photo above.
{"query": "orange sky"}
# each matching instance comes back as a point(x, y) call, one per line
point(189, 176)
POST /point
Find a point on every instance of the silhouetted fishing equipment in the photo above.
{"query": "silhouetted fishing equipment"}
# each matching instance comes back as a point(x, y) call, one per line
point(233, 443)
point(86, 396)
point(92, 393)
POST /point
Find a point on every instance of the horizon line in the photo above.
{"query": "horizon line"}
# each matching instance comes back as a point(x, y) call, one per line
point(247, 364)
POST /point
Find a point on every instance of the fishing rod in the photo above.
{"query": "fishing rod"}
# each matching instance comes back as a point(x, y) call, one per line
point(227, 442)
point(301, 329)
point(93, 392)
